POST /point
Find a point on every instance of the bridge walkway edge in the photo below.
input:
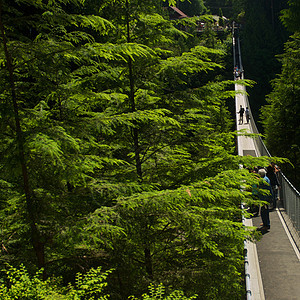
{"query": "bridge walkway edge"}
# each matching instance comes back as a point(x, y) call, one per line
point(273, 265)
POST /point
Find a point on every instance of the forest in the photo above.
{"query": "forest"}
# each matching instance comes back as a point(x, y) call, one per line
point(119, 174)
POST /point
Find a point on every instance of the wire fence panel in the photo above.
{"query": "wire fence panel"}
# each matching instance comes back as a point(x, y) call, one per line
point(288, 193)
point(291, 201)
point(289, 196)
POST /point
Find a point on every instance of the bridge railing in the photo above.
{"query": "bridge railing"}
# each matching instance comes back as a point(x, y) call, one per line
point(288, 194)
point(291, 201)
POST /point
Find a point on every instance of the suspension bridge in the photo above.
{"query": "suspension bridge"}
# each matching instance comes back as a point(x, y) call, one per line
point(272, 264)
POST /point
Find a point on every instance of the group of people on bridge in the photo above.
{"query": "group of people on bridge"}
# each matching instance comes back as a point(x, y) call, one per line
point(237, 72)
point(241, 112)
point(266, 191)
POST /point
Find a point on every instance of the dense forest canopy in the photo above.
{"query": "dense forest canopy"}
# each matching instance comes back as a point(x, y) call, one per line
point(118, 159)
point(280, 116)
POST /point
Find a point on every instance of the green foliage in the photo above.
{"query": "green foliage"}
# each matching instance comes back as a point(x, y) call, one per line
point(221, 20)
point(128, 145)
point(177, 237)
point(290, 16)
point(90, 285)
point(192, 8)
point(158, 292)
point(282, 133)
point(20, 285)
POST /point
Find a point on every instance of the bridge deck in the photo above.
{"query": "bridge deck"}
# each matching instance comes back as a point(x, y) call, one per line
point(278, 261)
point(274, 263)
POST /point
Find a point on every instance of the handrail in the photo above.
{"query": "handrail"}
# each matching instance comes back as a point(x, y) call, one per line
point(288, 193)
point(246, 264)
point(246, 260)
point(291, 201)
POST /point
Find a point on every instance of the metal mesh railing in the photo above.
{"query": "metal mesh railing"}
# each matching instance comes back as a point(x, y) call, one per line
point(261, 149)
point(288, 194)
point(291, 201)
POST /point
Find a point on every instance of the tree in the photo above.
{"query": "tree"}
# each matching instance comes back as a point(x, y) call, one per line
point(44, 157)
point(282, 108)
point(227, 6)
point(290, 16)
point(221, 20)
point(192, 8)
point(127, 146)
point(282, 133)
point(182, 238)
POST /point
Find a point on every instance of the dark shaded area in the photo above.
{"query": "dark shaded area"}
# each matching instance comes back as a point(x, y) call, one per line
point(262, 38)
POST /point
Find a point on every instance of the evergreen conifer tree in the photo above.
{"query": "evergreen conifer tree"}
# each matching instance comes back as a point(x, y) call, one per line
point(116, 147)
point(279, 115)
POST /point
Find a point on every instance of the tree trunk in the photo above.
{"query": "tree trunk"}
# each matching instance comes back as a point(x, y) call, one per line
point(35, 236)
point(148, 263)
point(135, 132)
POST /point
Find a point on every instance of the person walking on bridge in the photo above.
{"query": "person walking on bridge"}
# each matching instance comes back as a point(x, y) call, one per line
point(264, 212)
point(241, 112)
point(247, 113)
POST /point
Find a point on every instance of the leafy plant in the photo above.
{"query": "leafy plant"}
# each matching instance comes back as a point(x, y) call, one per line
point(158, 292)
point(20, 285)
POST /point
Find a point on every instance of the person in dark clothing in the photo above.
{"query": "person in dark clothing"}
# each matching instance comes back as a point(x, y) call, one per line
point(247, 112)
point(274, 183)
point(241, 112)
point(265, 195)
